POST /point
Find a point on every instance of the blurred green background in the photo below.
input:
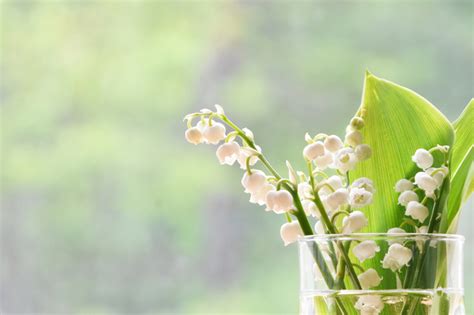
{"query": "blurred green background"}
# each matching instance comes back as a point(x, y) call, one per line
point(104, 206)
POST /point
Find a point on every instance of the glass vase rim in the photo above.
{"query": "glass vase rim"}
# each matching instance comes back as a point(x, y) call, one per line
point(381, 236)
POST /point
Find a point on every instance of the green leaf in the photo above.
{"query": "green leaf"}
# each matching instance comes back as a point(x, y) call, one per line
point(397, 123)
point(461, 168)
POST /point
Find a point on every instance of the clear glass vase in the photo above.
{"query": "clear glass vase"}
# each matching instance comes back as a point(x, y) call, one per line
point(423, 277)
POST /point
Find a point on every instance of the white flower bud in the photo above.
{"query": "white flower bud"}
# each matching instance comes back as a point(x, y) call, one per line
point(193, 135)
point(396, 231)
point(369, 305)
point(219, 109)
point(365, 183)
point(313, 150)
point(319, 228)
point(260, 197)
point(279, 201)
point(248, 133)
point(422, 158)
point(253, 182)
point(396, 257)
point(417, 211)
point(426, 182)
point(354, 222)
point(363, 152)
point(322, 162)
point(357, 123)
point(290, 232)
point(359, 197)
point(369, 279)
point(228, 153)
point(407, 196)
point(353, 138)
point(403, 185)
point(338, 198)
point(215, 133)
point(310, 208)
point(333, 143)
point(345, 160)
point(365, 250)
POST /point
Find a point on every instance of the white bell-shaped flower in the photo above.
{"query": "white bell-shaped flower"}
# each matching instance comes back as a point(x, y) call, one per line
point(253, 182)
point(369, 279)
point(426, 182)
point(335, 182)
point(228, 153)
point(338, 198)
point(370, 305)
point(359, 197)
point(345, 160)
point(215, 133)
point(403, 185)
point(417, 211)
point(322, 162)
point(438, 174)
point(422, 158)
point(354, 222)
point(397, 257)
point(365, 250)
point(260, 197)
point(310, 208)
point(313, 150)
point(333, 143)
point(395, 230)
point(290, 232)
point(407, 196)
point(365, 183)
point(194, 135)
point(353, 138)
point(363, 152)
point(279, 201)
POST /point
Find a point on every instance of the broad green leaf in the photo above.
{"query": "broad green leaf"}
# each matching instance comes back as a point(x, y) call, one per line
point(461, 167)
point(398, 121)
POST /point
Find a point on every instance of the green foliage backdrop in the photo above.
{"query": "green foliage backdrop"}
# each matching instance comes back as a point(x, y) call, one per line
point(106, 209)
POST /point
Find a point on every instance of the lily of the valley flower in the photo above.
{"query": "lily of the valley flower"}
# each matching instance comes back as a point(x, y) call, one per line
point(365, 183)
point(354, 222)
point(260, 196)
point(335, 182)
point(310, 208)
point(422, 158)
point(369, 279)
point(253, 182)
point(279, 201)
point(345, 160)
point(369, 305)
point(333, 143)
point(363, 152)
point(319, 228)
point(337, 198)
point(313, 150)
point(407, 196)
point(290, 232)
point(438, 174)
point(353, 138)
point(245, 153)
point(359, 197)
point(305, 190)
point(194, 135)
point(365, 250)
point(395, 230)
point(403, 185)
point(426, 182)
point(396, 257)
point(417, 211)
point(215, 133)
point(324, 161)
point(228, 153)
